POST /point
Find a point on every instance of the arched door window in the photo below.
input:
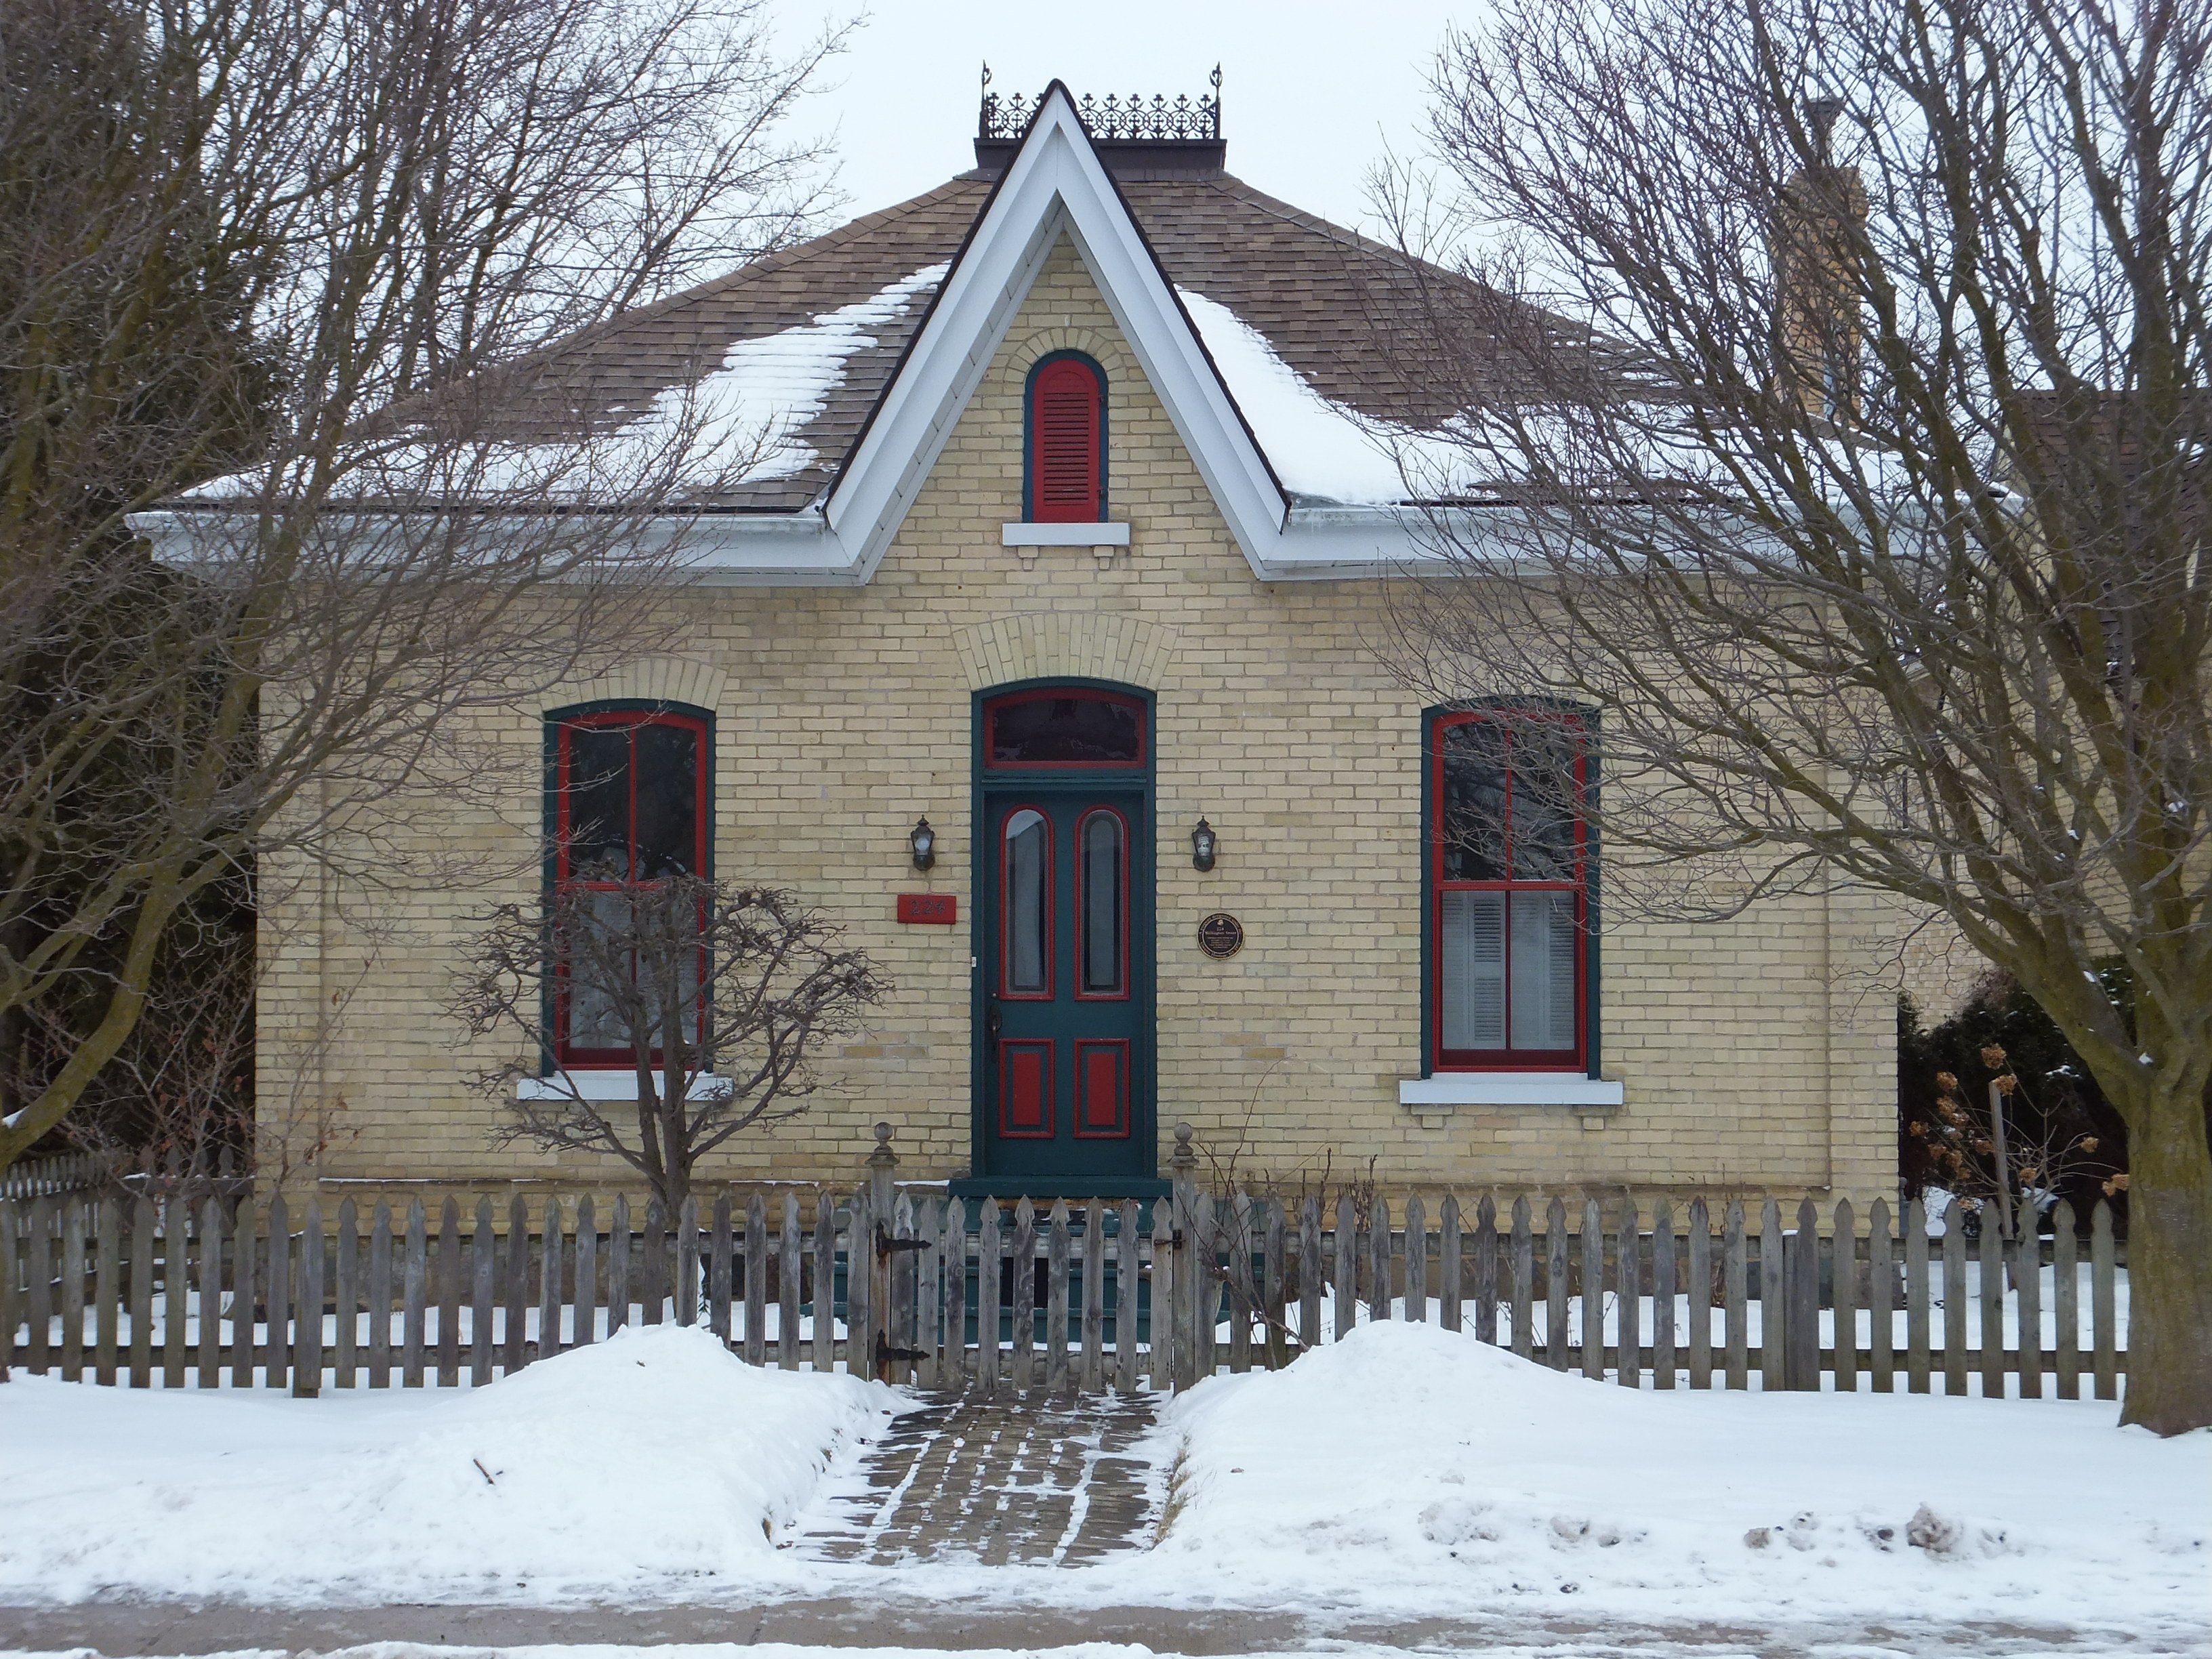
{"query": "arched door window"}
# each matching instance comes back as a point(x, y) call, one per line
point(1064, 474)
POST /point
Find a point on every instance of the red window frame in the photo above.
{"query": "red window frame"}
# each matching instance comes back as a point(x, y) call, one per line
point(633, 720)
point(1083, 910)
point(1005, 913)
point(1066, 465)
point(995, 706)
point(1507, 1058)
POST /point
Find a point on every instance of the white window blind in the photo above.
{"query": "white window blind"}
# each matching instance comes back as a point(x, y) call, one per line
point(1473, 990)
point(1543, 970)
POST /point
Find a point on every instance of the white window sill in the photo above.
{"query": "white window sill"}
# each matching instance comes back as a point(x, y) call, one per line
point(607, 1085)
point(1064, 535)
point(1506, 1088)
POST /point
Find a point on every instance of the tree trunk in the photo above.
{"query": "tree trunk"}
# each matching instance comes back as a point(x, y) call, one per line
point(2169, 1268)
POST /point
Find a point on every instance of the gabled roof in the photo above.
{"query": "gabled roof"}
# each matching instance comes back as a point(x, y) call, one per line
point(1256, 324)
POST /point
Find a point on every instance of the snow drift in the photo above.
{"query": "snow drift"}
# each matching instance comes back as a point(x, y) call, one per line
point(652, 1464)
point(1413, 1465)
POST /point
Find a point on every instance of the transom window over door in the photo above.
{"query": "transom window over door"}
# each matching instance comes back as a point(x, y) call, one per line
point(1509, 926)
point(1064, 474)
point(628, 806)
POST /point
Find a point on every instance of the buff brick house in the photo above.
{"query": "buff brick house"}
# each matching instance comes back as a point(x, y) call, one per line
point(1078, 546)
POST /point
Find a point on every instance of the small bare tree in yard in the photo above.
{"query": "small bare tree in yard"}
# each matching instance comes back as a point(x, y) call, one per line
point(720, 997)
point(274, 291)
point(1839, 434)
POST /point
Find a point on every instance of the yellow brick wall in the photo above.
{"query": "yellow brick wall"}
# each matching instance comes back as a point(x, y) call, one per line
point(841, 715)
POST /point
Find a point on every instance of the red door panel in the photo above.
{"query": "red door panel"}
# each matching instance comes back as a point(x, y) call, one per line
point(1101, 1089)
point(1025, 1089)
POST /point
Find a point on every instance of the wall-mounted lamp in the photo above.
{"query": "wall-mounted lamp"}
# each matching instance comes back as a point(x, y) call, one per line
point(1202, 844)
point(924, 841)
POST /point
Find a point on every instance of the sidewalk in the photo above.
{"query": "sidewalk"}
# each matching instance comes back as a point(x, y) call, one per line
point(120, 1629)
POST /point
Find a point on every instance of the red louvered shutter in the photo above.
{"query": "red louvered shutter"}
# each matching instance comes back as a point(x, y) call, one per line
point(1064, 444)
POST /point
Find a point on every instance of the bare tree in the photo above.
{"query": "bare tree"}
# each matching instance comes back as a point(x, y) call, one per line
point(1838, 435)
point(284, 269)
point(718, 995)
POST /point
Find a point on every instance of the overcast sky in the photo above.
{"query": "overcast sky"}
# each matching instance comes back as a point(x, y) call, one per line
point(1313, 92)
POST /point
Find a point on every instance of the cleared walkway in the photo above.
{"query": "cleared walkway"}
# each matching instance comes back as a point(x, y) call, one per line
point(997, 1480)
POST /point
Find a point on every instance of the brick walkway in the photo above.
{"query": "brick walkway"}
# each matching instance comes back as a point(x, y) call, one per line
point(998, 1480)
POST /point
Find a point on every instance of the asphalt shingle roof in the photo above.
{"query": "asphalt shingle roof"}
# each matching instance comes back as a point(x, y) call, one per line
point(1318, 292)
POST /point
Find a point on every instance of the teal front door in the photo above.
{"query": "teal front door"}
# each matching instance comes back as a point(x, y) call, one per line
point(1064, 1011)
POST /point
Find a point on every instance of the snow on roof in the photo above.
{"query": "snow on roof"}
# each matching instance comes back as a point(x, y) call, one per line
point(1319, 447)
point(745, 417)
point(739, 424)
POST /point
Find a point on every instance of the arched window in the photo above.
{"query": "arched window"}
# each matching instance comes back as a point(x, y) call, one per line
point(629, 805)
point(1064, 726)
point(1065, 473)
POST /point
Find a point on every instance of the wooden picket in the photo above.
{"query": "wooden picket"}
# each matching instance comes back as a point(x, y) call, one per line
point(1091, 1296)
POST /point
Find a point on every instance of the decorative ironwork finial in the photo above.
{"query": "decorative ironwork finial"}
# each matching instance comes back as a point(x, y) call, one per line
point(1155, 119)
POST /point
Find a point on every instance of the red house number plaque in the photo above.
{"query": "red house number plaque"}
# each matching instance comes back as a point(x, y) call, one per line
point(939, 910)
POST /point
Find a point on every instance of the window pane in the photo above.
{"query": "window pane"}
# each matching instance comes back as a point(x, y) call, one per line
point(598, 803)
point(1474, 927)
point(1544, 805)
point(1027, 887)
point(667, 801)
point(1069, 731)
point(1473, 804)
point(1102, 904)
point(1543, 970)
point(595, 971)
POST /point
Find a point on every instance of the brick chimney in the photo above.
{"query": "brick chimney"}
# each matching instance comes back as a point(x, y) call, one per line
point(1817, 244)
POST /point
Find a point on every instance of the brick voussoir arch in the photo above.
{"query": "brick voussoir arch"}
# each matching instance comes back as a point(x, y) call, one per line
point(1104, 349)
point(647, 679)
point(1042, 645)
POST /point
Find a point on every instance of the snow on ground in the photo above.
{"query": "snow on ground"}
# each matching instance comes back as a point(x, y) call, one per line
point(1415, 1466)
point(653, 1464)
point(1406, 1471)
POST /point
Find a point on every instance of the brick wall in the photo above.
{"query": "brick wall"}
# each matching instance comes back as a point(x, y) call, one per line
point(841, 715)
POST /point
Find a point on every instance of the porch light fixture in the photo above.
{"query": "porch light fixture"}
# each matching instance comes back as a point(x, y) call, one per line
point(924, 841)
point(1202, 844)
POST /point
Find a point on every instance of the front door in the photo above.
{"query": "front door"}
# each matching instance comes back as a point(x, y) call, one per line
point(1065, 997)
point(1060, 1001)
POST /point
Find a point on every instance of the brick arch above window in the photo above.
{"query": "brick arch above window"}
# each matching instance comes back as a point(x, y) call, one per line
point(1042, 645)
point(645, 679)
point(1105, 349)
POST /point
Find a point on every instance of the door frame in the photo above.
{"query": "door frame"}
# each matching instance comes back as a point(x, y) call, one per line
point(1143, 1091)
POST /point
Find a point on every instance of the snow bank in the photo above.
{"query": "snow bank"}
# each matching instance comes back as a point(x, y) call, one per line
point(650, 1464)
point(1411, 1465)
